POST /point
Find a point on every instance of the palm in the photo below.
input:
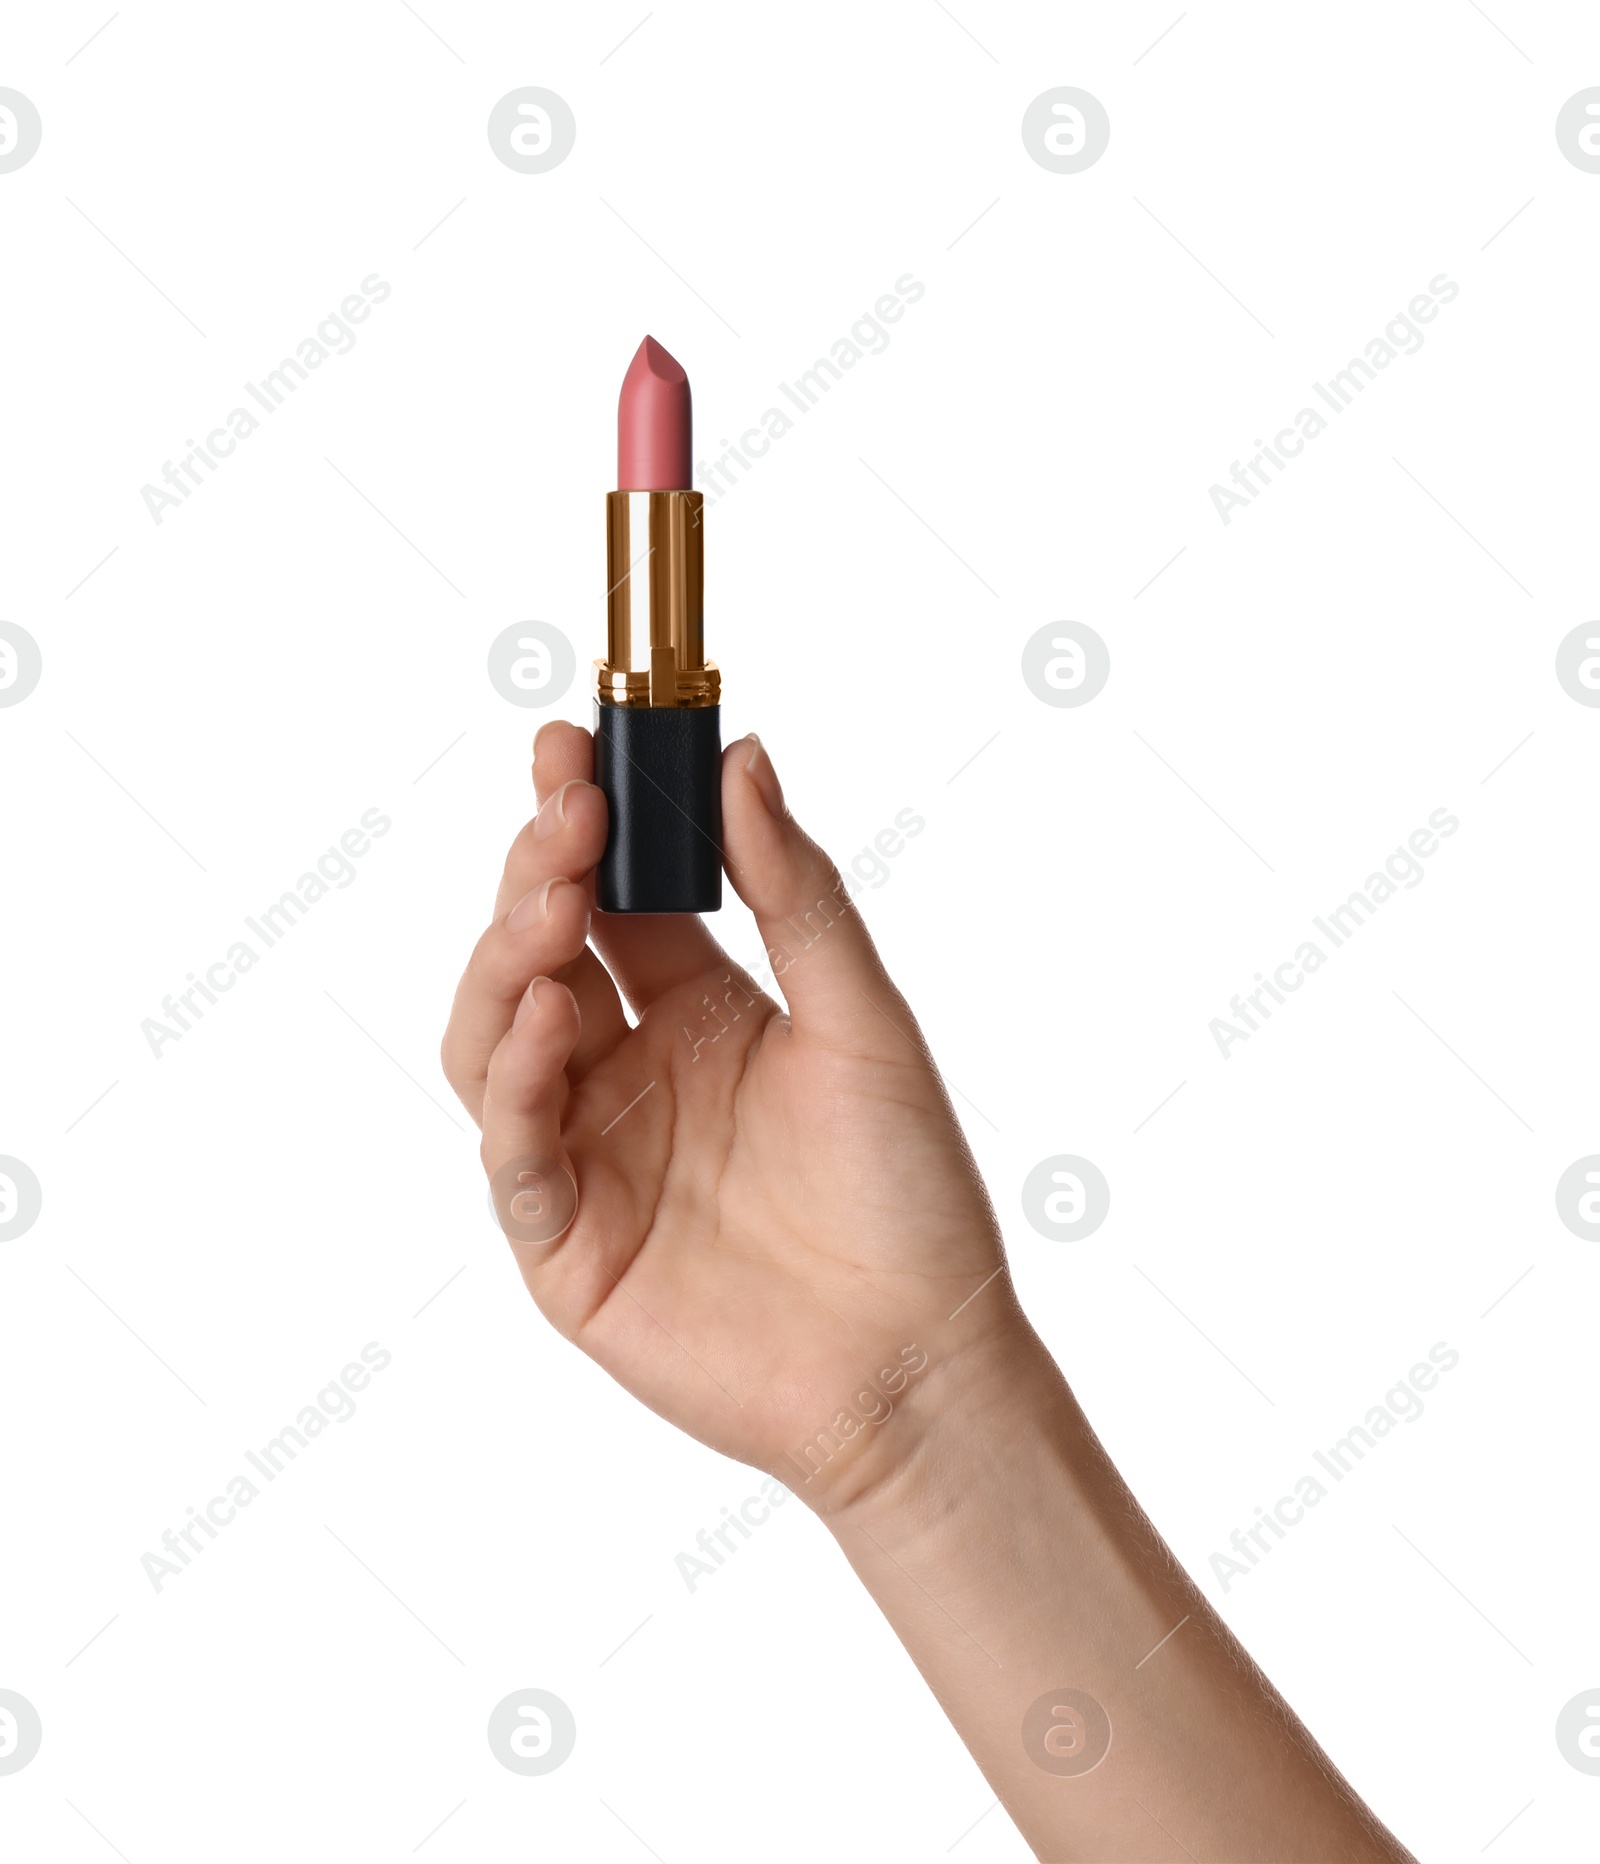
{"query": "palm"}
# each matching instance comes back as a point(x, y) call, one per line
point(742, 1259)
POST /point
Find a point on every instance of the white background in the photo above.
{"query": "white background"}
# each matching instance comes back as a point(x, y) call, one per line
point(1363, 645)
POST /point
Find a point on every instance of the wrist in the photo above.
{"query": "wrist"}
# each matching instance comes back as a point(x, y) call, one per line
point(993, 1400)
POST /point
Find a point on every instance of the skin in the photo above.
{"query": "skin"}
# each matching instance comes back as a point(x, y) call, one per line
point(782, 1245)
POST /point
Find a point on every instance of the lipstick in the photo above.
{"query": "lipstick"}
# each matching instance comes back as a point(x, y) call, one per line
point(658, 720)
point(655, 423)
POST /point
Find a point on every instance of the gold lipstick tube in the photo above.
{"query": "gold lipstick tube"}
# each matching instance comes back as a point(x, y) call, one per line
point(657, 712)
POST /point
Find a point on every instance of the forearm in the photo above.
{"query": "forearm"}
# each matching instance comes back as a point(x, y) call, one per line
point(1017, 1569)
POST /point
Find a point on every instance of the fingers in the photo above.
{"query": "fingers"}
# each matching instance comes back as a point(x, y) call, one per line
point(561, 752)
point(543, 931)
point(526, 1086)
point(541, 922)
point(647, 953)
point(818, 946)
point(534, 1178)
point(565, 837)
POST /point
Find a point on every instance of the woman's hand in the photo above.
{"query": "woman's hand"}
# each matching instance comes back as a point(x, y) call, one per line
point(777, 1215)
point(781, 1244)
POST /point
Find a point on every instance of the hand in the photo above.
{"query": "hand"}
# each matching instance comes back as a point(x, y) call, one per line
point(775, 1209)
point(772, 1208)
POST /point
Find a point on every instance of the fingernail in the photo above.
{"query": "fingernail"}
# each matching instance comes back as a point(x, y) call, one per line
point(529, 997)
point(553, 813)
point(533, 908)
point(765, 778)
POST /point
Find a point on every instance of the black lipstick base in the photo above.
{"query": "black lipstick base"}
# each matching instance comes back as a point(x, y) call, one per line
point(660, 768)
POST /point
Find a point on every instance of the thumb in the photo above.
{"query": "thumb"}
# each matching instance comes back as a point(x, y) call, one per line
point(817, 943)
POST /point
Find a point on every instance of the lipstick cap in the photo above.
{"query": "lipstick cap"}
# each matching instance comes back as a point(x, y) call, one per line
point(660, 768)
